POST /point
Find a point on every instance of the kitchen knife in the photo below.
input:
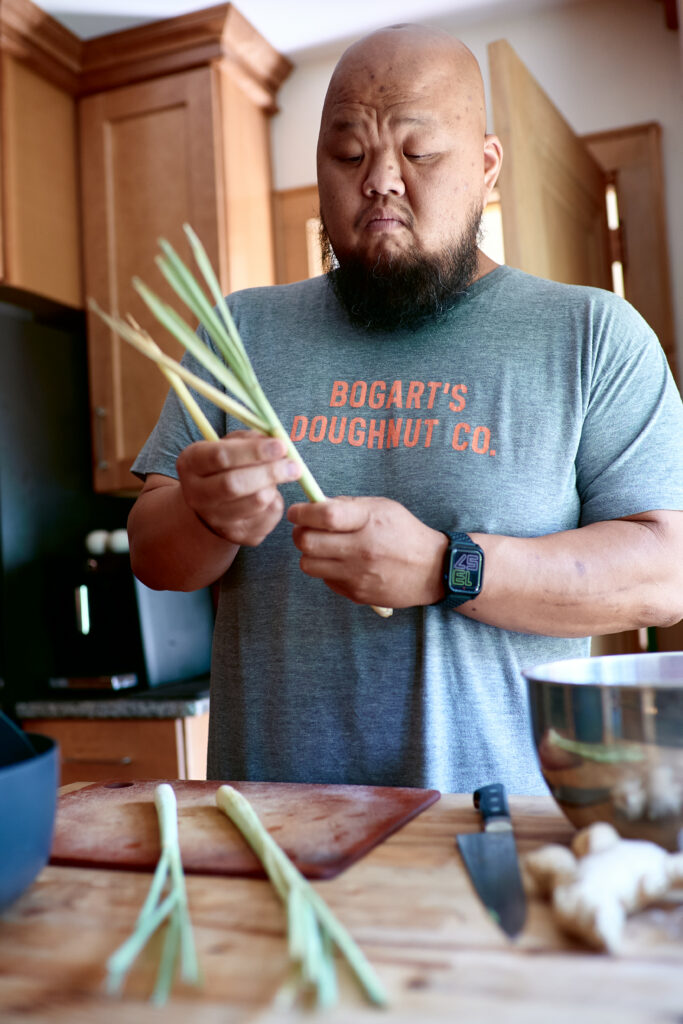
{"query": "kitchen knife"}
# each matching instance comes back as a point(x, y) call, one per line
point(490, 857)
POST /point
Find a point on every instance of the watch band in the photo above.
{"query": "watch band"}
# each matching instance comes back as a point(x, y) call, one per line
point(461, 544)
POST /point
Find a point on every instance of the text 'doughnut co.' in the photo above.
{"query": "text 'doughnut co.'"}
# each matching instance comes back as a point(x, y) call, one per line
point(413, 428)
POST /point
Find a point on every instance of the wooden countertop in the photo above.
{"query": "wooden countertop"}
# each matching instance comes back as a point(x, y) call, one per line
point(410, 906)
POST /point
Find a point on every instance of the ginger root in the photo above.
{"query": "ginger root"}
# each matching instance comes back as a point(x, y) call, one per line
point(599, 881)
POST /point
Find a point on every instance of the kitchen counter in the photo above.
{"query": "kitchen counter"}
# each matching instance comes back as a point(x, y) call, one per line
point(408, 903)
point(174, 701)
point(157, 733)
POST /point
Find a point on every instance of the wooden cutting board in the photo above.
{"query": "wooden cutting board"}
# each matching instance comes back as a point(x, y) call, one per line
point(323, 829)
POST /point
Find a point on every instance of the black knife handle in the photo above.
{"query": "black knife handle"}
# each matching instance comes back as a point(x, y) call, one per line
point(491, 802)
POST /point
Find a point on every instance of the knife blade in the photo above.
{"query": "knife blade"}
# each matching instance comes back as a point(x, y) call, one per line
point(490, 857)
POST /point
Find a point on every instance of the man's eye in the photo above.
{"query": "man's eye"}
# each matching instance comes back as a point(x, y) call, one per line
point(417, 156)
point(352, 159)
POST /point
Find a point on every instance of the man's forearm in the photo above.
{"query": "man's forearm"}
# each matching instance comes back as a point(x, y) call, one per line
point(603, 578)
point(170, 548)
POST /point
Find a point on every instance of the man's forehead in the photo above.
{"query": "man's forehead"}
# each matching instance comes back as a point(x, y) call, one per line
point(347, 118)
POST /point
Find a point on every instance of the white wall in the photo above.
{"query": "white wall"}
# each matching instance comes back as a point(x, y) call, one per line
point(604, 63)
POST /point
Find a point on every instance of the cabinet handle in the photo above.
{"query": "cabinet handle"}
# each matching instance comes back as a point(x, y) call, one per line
point(100, 413)
point(97, 760)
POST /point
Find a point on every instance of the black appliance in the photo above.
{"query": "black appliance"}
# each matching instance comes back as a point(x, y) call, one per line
point(111, 632)
point(48, 506)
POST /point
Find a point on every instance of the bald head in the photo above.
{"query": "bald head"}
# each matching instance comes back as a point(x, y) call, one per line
point(393, 58)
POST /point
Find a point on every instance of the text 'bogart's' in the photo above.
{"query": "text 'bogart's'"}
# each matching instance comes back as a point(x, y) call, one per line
point(393, 431)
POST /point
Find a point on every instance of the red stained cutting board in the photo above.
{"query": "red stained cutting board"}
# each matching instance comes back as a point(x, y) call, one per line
point(323, 829)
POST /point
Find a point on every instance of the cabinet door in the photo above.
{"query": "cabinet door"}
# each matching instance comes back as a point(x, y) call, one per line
point(40, 250)
point(148, 166)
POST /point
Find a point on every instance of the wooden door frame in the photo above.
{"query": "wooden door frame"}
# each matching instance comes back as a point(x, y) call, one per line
point(632, 158)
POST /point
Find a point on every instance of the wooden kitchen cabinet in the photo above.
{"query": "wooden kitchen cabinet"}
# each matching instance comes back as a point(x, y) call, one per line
point(93, 749)
point(174, 128)
point(40, 243)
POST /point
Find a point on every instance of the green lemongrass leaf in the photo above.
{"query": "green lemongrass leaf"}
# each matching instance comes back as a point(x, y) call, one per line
point(242, 814)
point(155, 889)
point(189, 965)
point(346, 945)
point(222, 331)
point(167, 962)
point(287, 994)
point(188, 289)
point(204, 263)
point(153, 352)
point(295, 932)
point(188, 338)
point(327, 987)
point(311, 964)
point(122, 959)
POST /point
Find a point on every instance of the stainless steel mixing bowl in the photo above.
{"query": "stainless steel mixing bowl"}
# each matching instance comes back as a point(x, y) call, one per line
point(609, 737)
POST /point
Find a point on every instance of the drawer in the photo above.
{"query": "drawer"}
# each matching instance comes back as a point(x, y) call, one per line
point(96, 749)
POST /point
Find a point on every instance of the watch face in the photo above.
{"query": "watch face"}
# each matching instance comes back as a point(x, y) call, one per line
point(465, 572)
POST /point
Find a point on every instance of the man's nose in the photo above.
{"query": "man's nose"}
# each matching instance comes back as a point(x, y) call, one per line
point(383, 176)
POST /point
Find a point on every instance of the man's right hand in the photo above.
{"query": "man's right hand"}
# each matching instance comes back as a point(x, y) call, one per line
point(232, 485)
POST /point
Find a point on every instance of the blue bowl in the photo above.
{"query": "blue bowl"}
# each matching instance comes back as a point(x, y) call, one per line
point(28, 802)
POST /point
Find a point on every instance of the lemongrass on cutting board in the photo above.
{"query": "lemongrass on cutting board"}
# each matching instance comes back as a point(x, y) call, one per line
point(178, 945)
point(312, 929)
point(233, 370)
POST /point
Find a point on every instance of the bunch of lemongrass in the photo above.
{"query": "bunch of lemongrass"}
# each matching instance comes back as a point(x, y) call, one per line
point(157, 908)
point(312, 929)
point(246, 400)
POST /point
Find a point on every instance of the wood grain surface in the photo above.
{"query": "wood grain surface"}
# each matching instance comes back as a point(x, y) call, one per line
point(408, 904)
point(323, 829)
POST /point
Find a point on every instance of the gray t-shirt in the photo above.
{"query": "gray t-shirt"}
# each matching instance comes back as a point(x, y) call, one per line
point(532, 407)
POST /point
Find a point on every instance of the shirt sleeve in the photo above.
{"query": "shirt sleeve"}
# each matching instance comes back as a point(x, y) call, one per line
point(175, 428)
point(630, 456)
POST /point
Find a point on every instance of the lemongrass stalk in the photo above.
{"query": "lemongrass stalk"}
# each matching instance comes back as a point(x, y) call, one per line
point(185, 396)
point(153, 352)
point(179, 940)
point(227, 339)
point(182, 391)
point(227, 336)
point(167, 810)
point(307, 481)
point(235, 372)
point(121, 961)
point(187, 288)
point(312, 927)
point(175, 325)
point(167, 962)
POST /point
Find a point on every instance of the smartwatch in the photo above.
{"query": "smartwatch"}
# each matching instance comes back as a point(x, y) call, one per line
point(463, 570)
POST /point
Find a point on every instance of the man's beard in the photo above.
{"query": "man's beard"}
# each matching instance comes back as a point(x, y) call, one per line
point(407, 289)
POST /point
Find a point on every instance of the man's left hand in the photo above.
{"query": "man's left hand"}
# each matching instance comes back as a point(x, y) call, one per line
point(371, 550)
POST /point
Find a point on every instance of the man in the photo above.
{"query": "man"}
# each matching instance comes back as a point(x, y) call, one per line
point(439, 394)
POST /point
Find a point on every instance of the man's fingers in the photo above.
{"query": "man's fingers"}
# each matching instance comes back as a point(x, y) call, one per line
point(242, 448)
point(330, 570)
point(336, 515)
point(316, 544)
point(250, 521)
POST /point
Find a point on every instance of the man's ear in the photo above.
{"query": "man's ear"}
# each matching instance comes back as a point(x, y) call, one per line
point(493, 161)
